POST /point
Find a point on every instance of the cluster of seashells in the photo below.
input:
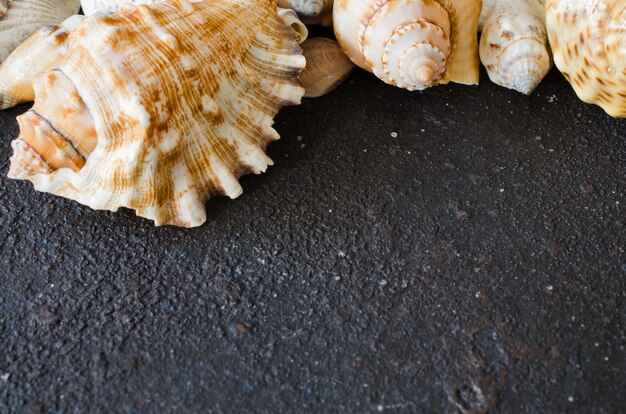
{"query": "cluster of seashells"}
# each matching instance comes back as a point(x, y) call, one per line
point(159, 105)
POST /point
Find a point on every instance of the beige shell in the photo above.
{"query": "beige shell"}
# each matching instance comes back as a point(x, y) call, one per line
point(160, 107)
point(21, 18)
point(290, 18)
point(327, 67)
point(412, 44)
point(311, 11)
point(91, 7)
point(513, 44)
point(588, 40)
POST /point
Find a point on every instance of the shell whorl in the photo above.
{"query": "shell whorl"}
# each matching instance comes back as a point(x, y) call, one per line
point(588, 40)
point(412, 44)
point(513, 44)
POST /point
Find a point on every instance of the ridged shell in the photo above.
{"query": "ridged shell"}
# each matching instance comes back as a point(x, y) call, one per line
point(290, 18)
point(311, 11)
point(182, 98)
point(412, 44)
point(21, 18)
point(513, 45)
point(326, 67)
point(91, 7)
point(588, 40)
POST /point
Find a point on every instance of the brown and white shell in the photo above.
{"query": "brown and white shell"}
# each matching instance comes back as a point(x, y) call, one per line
point(160, 107)
point(21, 18)
point(412, 44)
point(588, 40)
point(513, 44)
point(327, 67)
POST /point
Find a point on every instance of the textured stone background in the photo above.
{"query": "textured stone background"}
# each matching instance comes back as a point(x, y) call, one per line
point(474, 263)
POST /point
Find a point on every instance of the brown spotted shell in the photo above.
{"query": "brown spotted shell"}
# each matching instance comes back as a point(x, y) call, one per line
point(160, 107)
point(588, 40)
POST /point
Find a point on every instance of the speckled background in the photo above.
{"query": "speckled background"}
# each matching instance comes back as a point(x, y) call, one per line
point(474, 263)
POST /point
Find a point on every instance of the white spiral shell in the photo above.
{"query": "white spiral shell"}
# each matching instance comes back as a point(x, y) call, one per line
point(412, 44)
point(513, 45)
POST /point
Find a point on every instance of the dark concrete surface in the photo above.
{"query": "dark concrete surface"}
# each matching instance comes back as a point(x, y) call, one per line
point(474, 263)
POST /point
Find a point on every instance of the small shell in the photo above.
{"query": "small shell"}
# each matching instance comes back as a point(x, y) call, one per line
point(326, 67)
point(290, 18)
point(21, 18)
point(513, 45)
point(588, 40)
point(311, 11)
point(412, 44)
point(160, 107)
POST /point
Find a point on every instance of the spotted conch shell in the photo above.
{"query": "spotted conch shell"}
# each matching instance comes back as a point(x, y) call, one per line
point(311, 11)
point(588, 40)
point(513, 45)
point(160, 107)
point(21, 18)
point(412, 44)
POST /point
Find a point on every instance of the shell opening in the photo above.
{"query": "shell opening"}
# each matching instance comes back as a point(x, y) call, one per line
point(290, 18)
point(58, 132)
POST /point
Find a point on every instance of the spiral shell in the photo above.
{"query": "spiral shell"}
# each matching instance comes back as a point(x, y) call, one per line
point(311, 11)
point(412, 44)
point(588, 40)
point(21, 18)
point(513, 45)
point(160, 107)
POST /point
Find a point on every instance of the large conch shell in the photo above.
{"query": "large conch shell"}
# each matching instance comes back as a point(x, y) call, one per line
point(588, 40)
point(21, 18)
point(160, 107)
point(412, 44)
point(311, 11)
point(513, 45)
point(91, 7)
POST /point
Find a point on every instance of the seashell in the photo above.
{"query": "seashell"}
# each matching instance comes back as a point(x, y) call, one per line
point(311, 11)
point(38, 54)
point(91, 7)
point(160, 107)
point(513, 45)
point(290, 18)
point(412, 44)
point(326, 67)
point(588, 40)
point(21, 18)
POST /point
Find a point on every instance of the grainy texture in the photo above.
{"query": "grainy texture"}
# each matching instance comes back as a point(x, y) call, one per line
point(473, 263)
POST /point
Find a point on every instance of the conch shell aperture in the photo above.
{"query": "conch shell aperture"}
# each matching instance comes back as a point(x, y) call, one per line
point(588, 40)
point(412, 44)
point(160, 107)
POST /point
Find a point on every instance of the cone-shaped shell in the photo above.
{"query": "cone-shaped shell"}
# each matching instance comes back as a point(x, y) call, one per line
point(326, 67)
point(412, 44)
point(311, 11)
point(21, 18)
point(513, 45)
point(182, 98)
point(588, 40)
